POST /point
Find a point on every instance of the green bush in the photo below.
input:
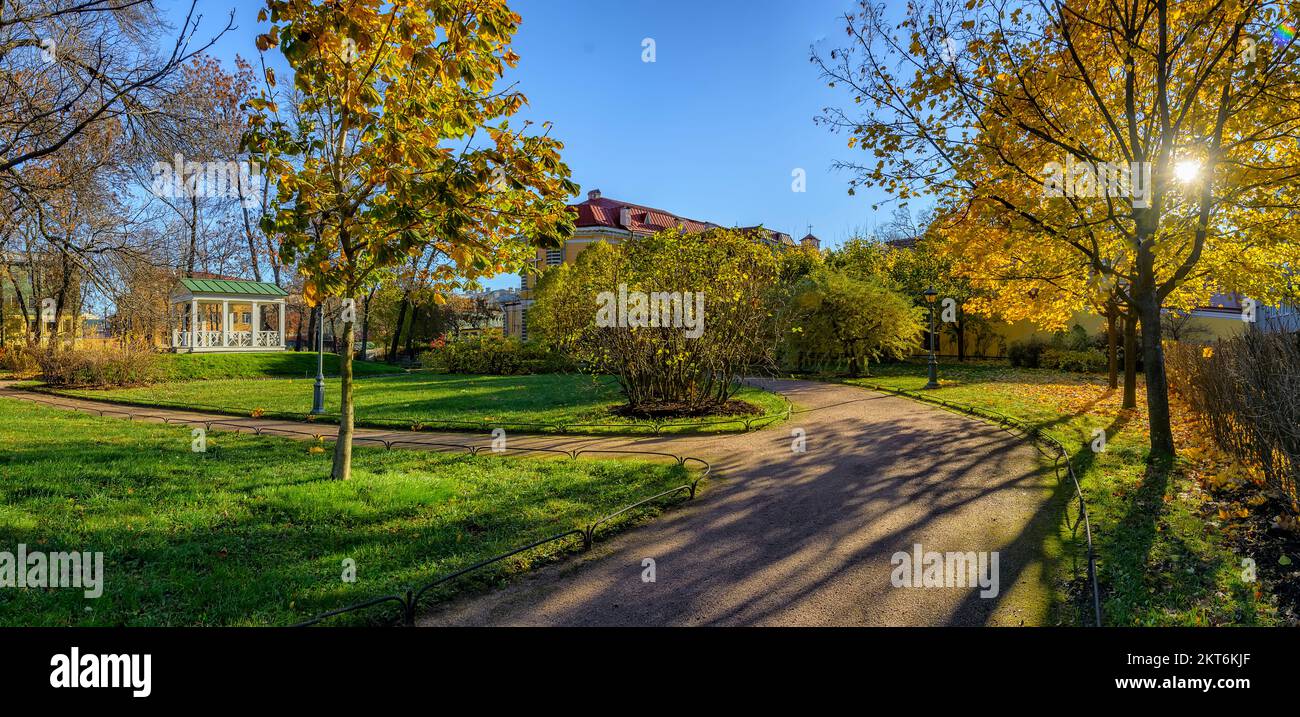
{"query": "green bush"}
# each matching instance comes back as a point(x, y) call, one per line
point(1066, 351)
point(98, 367)
point(493, 355)
point(1027, 353)
point(1085, 361)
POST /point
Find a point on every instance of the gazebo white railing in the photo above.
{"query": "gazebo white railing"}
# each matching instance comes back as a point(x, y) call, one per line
point(227, 315)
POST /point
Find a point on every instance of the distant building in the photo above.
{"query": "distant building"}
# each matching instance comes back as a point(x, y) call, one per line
point(614, 221)
point(21, 312)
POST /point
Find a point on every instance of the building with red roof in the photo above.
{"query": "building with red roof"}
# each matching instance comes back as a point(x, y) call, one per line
point(614, 221)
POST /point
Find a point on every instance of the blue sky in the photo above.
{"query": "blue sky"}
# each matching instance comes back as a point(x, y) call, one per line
point(711, 130)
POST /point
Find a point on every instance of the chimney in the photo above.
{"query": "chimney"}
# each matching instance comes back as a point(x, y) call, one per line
point(625, 217)
point(593, 194)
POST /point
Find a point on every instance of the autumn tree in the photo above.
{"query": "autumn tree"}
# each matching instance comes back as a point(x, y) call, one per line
point(69, 65)
point(402, 142)
point(1151, 144)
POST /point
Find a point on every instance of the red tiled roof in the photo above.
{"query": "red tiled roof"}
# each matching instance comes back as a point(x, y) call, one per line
point(598, 211)
point(603, 212)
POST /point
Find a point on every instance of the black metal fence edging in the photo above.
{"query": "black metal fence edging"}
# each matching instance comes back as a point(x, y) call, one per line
point(409, 599)
point(1034, 435)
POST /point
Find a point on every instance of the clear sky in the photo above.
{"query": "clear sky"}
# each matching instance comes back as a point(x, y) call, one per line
point(710, 130)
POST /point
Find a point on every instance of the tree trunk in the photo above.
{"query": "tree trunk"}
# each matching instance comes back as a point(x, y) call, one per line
point(1130, 360)
point(312, 330)
point(410, 333)
point(248, 230)
point(1112, 346)
point(194, 235)
point(961, 337)
point(1153, 367)
point(365, 325)
point(397, 328)
point(342, 469)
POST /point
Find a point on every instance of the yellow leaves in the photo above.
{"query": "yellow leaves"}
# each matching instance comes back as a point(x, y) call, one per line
point(1238, 513)
point(311, 294)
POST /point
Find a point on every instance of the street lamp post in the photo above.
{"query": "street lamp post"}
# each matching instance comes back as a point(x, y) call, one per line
point(318, 396)
point(930, 295)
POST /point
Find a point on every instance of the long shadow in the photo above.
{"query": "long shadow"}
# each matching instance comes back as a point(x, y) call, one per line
point(1039, 531)
point(782, 536)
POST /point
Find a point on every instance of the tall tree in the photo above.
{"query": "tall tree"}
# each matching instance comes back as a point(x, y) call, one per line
point(1008, 111)
point(402, 142)
point(67, 65)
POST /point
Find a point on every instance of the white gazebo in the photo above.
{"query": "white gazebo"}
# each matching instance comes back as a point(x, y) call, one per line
point(215, 315)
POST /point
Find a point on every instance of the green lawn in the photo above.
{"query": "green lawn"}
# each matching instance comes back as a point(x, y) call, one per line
point(189, 367)
point(1160, 563)
point(252, 533)
point(537, 403)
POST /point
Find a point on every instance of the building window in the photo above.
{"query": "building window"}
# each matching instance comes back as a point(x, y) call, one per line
point(554, 257)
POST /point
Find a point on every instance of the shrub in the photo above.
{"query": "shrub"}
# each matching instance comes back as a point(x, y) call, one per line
point(493, 355)
point(1244, 391)
point(834, 318)
point(668, 355)
point(1076, 339)
point(19, 360)
point(99, 367)
point(1027, 353)
point(1085, 361)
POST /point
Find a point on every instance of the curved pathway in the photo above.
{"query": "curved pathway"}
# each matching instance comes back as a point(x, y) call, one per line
point(781, 537)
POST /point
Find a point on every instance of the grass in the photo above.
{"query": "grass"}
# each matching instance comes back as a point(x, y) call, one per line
point(252, 533)
point(551, 402)
point(1161, 562)
point(299, 364)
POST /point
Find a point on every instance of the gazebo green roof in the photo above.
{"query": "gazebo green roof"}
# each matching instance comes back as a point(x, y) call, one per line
point(232, 286)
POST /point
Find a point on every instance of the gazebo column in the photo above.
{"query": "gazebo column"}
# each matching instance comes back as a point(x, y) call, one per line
point(194, 323)
point(255, 322)
point(279, 310)
point(225, 322)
